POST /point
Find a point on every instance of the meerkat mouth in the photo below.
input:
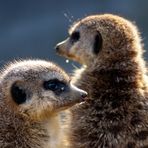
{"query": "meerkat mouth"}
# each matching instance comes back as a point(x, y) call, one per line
point(66, 54)
point(69, 103)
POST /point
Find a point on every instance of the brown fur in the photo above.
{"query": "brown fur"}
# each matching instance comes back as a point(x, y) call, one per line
point(34, 123)
point(116, 114)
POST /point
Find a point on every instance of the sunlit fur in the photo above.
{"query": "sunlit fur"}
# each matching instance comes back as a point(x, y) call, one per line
point(116, 80)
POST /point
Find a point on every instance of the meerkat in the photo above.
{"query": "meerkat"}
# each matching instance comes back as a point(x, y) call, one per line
point(32, 93)
point(114, 75)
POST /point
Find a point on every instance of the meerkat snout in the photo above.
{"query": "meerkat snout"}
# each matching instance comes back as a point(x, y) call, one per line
point(62, 47)
point(82, 93)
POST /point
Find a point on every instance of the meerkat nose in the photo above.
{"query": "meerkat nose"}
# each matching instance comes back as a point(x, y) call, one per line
point(57, 48)
point(84, 94)
point(79, 93)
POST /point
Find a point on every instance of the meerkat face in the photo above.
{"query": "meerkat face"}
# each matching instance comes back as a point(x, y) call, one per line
point(98, 37)
point(82, 45)
point(38, 89)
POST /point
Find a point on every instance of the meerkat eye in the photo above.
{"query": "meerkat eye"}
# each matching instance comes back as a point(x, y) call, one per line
point(18, 94)
point(55, 86)
point(75, 36)
point(98, 41)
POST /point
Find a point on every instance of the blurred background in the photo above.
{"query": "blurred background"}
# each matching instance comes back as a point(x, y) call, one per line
point(31, 28)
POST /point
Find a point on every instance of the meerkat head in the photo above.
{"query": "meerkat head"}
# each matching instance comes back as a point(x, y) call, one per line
point(100, 37)
point(37, 89)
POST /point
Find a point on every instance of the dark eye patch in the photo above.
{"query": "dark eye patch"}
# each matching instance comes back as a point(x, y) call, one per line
point(98, 42)
point(75, 36)
point(18, 94)
point(55, 85)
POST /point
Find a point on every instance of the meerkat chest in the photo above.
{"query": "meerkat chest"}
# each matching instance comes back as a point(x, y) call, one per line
point(54, 131)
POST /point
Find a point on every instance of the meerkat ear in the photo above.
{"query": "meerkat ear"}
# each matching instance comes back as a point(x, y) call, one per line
point(98, 41)
point(18, 94)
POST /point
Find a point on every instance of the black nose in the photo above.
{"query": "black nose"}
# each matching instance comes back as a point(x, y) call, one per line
point(57, 48)
point(84, 94)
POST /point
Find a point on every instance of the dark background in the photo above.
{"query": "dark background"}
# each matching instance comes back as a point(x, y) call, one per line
point(31, 28)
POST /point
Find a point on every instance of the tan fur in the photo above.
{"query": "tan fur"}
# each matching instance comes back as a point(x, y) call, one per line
point(34, 123)
point(116, 81)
